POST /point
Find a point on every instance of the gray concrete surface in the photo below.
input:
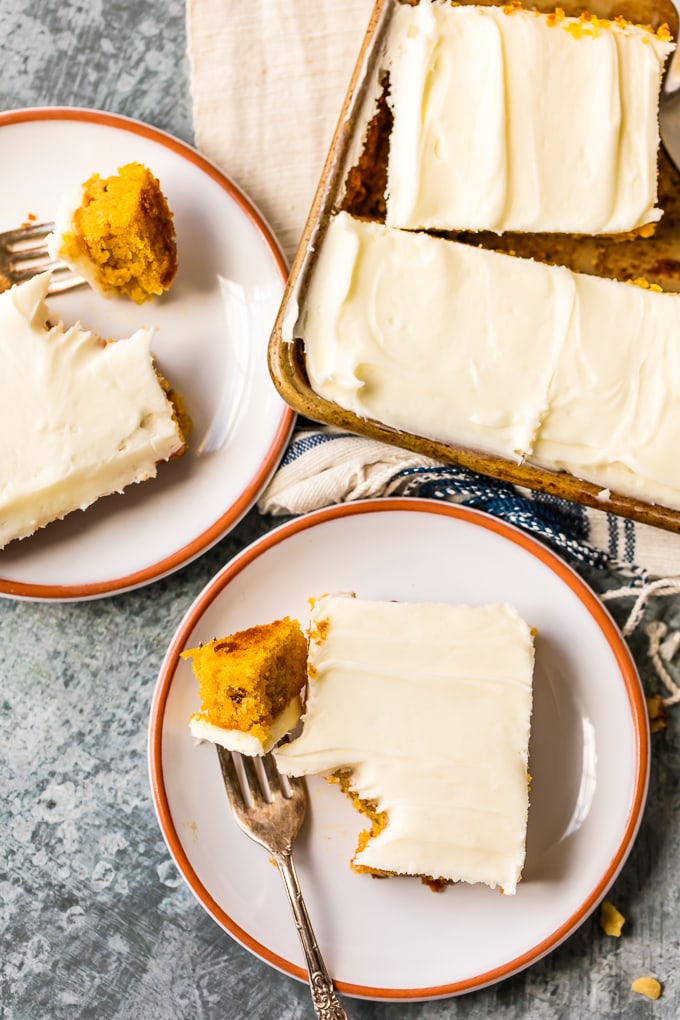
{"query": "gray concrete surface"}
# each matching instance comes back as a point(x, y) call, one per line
point(95, 921)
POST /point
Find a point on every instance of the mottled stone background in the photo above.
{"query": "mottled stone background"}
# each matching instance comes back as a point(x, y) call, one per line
point(94, 919)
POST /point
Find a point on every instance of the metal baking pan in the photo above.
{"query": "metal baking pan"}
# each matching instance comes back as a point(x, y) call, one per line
point(354, 154)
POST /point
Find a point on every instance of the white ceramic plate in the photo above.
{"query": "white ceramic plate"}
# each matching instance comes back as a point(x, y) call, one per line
point(213, 329)
point(395, 939)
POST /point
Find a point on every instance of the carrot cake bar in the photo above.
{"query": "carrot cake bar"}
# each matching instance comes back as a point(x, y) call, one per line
point(509, 119)
point(79, 417)
point(250, 685)
point(118, 234)
point(505, 355)
point(422, 711)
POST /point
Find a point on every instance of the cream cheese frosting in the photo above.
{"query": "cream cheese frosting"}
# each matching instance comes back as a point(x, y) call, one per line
point(57, 241)
point(79, 418)
point(506, 119)
point(429, 706)
point(242, 740)
point(613, 413)
point(506, 355)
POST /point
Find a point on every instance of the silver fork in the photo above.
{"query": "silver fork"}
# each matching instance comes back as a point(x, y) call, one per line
point(23, 254)
point(273, 817)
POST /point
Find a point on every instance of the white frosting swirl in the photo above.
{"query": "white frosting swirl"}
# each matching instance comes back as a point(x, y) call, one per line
point(506, 119)
point(501, 354)
point(429, 706)
point(79, 417)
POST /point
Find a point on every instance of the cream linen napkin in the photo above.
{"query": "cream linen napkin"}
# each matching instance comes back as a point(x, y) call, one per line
point(268, 78)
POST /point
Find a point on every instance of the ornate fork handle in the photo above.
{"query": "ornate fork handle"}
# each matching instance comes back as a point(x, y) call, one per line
point(326, 1003)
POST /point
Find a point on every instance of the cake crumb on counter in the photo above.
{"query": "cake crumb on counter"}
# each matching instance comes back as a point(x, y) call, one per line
point(656, 710)
point(611, 919)
point(648, 986)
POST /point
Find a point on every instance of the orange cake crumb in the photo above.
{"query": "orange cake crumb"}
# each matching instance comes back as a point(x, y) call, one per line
point(656, 710)
point(124, 230)
point(611, 919)
point(246, 680)
point(648, 986)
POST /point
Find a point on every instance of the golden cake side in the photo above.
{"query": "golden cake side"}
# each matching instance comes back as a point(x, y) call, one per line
point(250, 685)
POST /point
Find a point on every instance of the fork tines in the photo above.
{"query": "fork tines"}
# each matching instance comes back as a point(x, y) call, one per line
point(23, 235)
point(24, 254)
point(25, 257)
point(251, 782)
point(269, 807)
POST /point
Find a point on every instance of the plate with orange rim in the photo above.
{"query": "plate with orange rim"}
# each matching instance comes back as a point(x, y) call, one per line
point(211, 334)
point(589, 757)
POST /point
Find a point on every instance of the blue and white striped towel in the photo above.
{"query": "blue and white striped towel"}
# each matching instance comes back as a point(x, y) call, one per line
point(324, 466)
